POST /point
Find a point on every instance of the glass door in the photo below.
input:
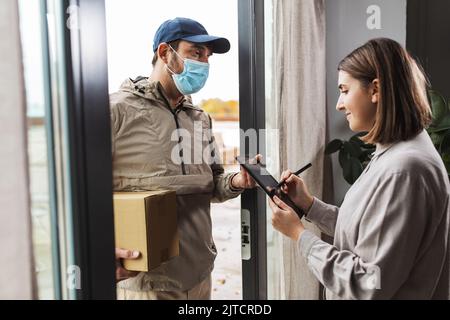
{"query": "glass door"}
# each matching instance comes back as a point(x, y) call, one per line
point(69, 147)
point(253, 125)
point(274, 239)
point(49, 168)
point(261, 256)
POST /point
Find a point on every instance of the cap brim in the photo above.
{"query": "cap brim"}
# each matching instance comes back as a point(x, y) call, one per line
point(218, 44)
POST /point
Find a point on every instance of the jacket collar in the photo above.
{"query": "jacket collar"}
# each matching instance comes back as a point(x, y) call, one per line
point(153, 90)
point(382, 148)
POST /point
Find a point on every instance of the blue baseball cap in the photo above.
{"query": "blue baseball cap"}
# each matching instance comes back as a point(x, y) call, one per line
point(188, 30)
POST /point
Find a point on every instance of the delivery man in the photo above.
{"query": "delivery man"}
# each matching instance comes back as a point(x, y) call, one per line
point(155, 129)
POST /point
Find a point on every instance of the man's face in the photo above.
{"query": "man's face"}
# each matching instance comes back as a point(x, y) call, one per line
point(188, 50)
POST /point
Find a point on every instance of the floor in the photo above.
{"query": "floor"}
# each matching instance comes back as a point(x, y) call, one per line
point(227, 274)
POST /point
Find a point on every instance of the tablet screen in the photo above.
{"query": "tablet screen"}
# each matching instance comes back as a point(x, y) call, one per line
point(260, 174)
point(267, 182)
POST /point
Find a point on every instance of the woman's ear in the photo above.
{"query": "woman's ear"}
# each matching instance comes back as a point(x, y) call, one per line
point(375, 91)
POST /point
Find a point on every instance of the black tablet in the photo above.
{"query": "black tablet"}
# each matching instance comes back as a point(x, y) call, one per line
point(267, 182)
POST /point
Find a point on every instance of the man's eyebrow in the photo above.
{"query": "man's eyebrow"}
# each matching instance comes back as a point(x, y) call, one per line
point(203, 47)
point(199, 46)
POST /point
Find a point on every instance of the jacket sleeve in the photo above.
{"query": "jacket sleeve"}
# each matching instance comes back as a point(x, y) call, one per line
point(388, 241)
point(323, 216)
point(222, 185)
point(115, 123)
point(222, 181)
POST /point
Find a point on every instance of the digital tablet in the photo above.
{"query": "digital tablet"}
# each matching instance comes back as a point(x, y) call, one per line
point(267, 182)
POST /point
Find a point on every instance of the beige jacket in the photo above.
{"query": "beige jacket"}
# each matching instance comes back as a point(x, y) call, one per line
point(153, 148)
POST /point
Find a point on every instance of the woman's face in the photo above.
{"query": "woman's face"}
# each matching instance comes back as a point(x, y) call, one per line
point(357, 102)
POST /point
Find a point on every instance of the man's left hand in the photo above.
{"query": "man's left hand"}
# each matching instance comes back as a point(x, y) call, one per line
point(243, 180)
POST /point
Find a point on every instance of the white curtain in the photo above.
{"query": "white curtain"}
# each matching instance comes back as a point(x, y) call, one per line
point(300, 95)
point(17, 278)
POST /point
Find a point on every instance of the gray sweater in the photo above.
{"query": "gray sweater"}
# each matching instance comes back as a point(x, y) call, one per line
point(391, 233)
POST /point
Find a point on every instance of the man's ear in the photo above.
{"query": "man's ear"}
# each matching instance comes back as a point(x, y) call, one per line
point(163, 52)
point(375, 91)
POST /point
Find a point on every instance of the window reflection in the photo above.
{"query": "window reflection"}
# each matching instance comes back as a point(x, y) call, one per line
point(30, 19)
point(42, 35)
point(274, 244)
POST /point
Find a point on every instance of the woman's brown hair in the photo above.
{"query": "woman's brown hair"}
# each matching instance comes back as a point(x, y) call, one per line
point(403, 109)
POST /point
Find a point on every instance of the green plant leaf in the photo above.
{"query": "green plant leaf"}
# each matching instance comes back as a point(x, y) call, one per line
point(443, 125)
point(444, 146)
point(368, 146)
point(352, 170)
point(356, 140)
point(346, 170)
point(333, 146)
point(446, 159)
point(343, 157)
point(366, 156)
point(359, 135)
point(352, 148)
point(436, 139)
point(437, 130)
point(438, 106)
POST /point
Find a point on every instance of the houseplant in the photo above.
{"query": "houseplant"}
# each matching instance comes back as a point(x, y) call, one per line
point(354, 154)
point(439, 129)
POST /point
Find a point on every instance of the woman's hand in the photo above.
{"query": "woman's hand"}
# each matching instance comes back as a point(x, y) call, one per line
point(297, 190)
point(285, 220)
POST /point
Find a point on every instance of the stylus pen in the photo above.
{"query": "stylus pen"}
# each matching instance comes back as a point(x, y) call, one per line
point(309, 165)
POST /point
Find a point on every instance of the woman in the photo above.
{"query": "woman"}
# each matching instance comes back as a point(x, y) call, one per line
point(391, 232)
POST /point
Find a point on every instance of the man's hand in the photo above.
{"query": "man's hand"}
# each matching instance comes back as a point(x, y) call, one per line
point(121, 272)
point(243, 180)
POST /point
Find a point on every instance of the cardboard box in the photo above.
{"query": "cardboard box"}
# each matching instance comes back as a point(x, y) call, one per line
point(146, 221)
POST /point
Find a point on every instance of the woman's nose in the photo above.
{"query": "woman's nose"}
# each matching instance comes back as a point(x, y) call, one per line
point(340, 105)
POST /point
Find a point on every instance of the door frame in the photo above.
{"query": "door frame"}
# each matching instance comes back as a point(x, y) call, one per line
point(90, 147)
point(252, 116)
